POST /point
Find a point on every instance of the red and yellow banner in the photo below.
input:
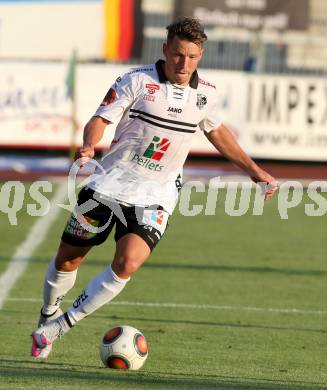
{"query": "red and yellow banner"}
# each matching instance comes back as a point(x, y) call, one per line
point(123, 21)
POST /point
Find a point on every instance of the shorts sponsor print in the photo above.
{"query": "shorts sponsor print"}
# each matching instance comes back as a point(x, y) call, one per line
point(75, 228)
point(148, 223)
point(157, 219)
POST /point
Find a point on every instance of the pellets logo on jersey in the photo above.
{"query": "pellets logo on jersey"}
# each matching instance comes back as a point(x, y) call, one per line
point(109, 98)
point(201, 101)
point(152, 88)
point(154, 152)
point(157, 148)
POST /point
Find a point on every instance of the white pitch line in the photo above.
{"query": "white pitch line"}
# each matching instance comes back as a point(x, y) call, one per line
point(200, 307)
point(36, 235)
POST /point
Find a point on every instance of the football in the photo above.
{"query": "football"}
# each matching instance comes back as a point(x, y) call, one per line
point(124, 348)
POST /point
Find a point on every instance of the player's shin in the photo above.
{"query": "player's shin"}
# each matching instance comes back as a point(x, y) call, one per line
point(56, 285)
point(101, 290)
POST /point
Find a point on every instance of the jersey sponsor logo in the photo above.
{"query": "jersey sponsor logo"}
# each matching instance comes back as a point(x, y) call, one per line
point(201, 101)
point(109, 98)
point(203, 82)
point(157, 148)
point(174, 109)
point(147, 163)
point(154, 151)
point(152, 88)
point(141, 70)
point(149, 98)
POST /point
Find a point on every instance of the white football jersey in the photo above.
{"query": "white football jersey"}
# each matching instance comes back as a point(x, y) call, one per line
point(156, 121)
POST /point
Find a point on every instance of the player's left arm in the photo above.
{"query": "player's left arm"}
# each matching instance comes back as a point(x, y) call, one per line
point(224, 141)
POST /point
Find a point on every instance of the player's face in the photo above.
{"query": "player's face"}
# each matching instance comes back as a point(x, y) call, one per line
point(182, 58)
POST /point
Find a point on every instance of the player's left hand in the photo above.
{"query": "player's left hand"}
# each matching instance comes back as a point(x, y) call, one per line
point(268, 182)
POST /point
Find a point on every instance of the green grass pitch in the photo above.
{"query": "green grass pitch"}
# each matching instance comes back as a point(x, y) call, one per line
point(214, 301)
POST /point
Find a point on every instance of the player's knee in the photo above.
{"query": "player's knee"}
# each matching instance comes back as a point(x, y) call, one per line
point(65, 265)
point(126, 265)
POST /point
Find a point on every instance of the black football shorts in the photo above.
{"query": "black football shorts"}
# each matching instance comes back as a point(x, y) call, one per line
point(96, 215)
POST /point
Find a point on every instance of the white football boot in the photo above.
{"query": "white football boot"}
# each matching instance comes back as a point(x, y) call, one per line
point(43, 353)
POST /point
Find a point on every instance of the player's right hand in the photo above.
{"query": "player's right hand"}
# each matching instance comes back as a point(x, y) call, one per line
point(84, 155)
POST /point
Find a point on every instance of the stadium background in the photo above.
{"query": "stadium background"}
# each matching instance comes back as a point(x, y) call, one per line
point(259, 312)
point(269, 74)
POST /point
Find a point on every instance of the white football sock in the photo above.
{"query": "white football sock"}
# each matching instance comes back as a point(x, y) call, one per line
point(101, 290)
point(56, 285)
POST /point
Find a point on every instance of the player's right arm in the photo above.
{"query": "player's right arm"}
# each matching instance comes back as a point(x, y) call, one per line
point(93, 133)
point(118, 98)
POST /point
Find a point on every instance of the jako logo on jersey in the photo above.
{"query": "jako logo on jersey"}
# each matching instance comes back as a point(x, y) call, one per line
point(152, 88)
point(109, 98)
point(174, 109)
point(157, 148)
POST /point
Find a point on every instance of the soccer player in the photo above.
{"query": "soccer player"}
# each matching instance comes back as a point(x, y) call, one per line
point(157, 109)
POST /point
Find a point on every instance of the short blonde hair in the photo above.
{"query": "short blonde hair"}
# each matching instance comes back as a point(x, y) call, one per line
point(187, 28)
